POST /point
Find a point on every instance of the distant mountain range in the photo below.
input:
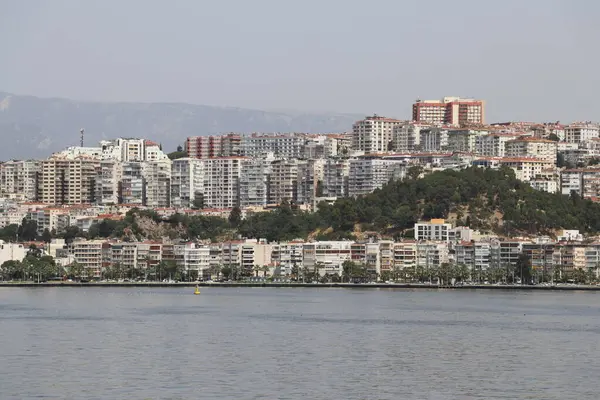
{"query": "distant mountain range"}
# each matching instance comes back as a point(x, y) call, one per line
point(33, 127)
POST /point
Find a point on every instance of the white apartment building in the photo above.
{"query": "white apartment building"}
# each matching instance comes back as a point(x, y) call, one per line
point(193, 257)
point(373, 134)
point(478, 256)
point(187, 178)
point(127, 255)
point(11, 217)
point(581, 132)
point(532, 147)
point(75, 152)
point(132, 185)
point(337, 145)
point(255, 253)
point(433, 139)
point(571, 180)
point(52, 218)
point(131, 150)
point(367, 254)
point(546, 182)
point(89, 253)
point(327, 256)
point(493, 145)
point(157, 179)
point(434, 230)
point(367, 174)
point(108, 181)
point(289, 146)
point(310, 176)
point(12, 252)
point(253, 182)
point(18, 179)
point(405, 255)
point(406, 137)
point(221, 181)
point(583, 181)
point(286, 255)
point(526, 168)
point(463, 140)
point(335, 177)
point(431, 254)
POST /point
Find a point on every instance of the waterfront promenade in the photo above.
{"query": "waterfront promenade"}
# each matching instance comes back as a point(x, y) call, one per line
point(412, 286)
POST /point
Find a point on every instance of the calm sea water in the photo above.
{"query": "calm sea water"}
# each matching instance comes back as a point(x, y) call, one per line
point(265, 343)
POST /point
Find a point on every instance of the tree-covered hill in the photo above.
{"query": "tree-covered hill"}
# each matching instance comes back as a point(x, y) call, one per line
point(484, 199)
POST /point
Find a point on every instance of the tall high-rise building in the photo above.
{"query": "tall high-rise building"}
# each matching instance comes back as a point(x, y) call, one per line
point(335, 177)
point(373, 134)
point(68, 181)
point(157, 182)
point(449, 110)
point(187, 177)
point(108, 181)
point(19, 179)
point(279, 145)
point(254, 182)
point(221, 181)
point(283, 181)
point(132, 187)
point(310, 181)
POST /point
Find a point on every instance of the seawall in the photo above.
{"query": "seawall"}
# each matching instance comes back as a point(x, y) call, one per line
point(302, 285)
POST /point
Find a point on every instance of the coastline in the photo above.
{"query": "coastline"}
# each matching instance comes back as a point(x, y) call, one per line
point(588, 288)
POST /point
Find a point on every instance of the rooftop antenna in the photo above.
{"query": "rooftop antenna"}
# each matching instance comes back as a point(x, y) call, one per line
point(81, 131)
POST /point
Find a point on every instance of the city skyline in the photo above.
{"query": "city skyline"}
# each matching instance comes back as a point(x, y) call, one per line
point(344, 58)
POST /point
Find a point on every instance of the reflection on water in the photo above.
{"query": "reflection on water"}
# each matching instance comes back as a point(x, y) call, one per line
point(263, 343)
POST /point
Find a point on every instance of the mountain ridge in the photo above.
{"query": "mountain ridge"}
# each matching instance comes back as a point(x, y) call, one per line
point(35, 127)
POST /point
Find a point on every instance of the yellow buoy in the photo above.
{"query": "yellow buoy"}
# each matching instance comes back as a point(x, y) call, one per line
point(197, 291)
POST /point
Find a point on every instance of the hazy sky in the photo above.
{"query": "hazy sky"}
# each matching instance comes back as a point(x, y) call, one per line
point(530, 59)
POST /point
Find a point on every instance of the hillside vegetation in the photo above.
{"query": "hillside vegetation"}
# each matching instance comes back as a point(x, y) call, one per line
point(484, 199)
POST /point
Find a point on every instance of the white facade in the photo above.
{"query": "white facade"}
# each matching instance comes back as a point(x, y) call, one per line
point(108, 181)
point(435, 230)
point(281, 146)
point(581, 132)
point(253, 182)
point(373, 134)
point(132, 188)
point(18, 179)
point(335, 177)
point(221, 181)
point(88, 253)
point(407, 137)
point(532, 147)
point(493, 145)
point(463, 140)
point(193, 257)
point(187, 178)
point(157, 183)
point(12, 252)
point(367, 174)
point(433, 139)
point(526, 168)
point(327, 256)
point(310, 175)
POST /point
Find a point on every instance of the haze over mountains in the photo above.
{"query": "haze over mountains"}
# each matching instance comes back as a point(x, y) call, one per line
point(33, 127)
